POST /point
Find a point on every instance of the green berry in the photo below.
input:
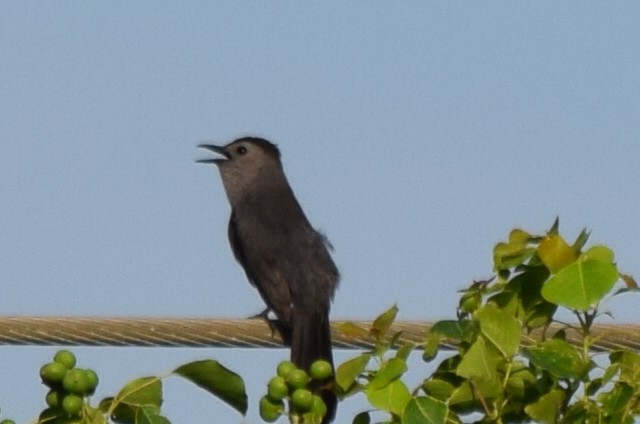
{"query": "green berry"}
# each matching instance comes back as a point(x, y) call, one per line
point(277, 388)
point(321, 370)
point(270, 411)
point(285, 367)
point(297, 379)
point(93, 381)
point(65, 358)
point(54, 398)
point(76, 382)
point(318, 407)
point(53, 373)
point(72, 404)
point(302, 399)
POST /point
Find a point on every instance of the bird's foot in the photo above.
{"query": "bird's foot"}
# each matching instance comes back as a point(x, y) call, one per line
point(275, 325)
point(262, 315)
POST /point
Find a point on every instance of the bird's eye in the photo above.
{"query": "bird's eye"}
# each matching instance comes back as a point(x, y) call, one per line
point(241, 150)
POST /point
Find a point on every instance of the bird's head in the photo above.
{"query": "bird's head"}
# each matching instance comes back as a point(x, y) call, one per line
point(244, 161)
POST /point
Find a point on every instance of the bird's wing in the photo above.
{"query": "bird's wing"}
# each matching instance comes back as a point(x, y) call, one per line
point(238, 249)
point(266, 276)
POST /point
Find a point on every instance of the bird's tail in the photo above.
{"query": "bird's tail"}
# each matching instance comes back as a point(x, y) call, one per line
point(310, 341)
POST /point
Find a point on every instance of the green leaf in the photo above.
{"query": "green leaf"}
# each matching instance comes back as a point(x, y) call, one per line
point(311, 418)
point(392, 342)
point(628, 364)
point(362, 418)
point(519, 237)
point(463, 399)
point(404, 351)
point(466, 397)
point(581, 241)
point(479, 362)
point(513, 253)
point(515, 386)
point(217, 380)
point(593, 386)
point(559, 358)
point(448, 366)
point(389, 371)
point(383, 322)
point(105, 404)
point(529, 284)
point(520, 378)
point(581, 284)
point(451, 329)
point(500, 328)
point(555, 228)
point(425, 410)
point(438, 388)
point(349, 371)
point(540, 315)
point(581, 412)
point(144, 391)
point(124, 413)
point(510, 255)
point(599, 253)
point(150, 415)
point(139, 393)
point(392, 397)
point(545, 409)
point(93, 416)
point(555, 253)
point(51, 416)
point(351, 330)
point(617, 401)
point(430, 347)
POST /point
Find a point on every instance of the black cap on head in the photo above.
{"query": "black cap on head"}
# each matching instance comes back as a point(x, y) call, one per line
point(266, 145)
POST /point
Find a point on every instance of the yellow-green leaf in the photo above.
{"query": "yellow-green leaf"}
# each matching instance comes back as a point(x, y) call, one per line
point(518, 236)
point(479, 362)
point(581, 285)
point(555, 253)
point(349, 371)
point(351, 330)
point(392, 397)
point(389, 371)
point(382, 323)
point(545, 409)
point(500, 328)
point(425, 410)
point(559, 358)
point(600, 253)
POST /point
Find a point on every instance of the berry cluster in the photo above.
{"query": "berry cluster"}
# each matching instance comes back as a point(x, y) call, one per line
point(295, 384)
point(68, 385)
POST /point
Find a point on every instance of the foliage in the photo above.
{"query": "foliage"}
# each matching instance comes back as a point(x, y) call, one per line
point(508, 365)
point(500, 360)
point(377, 374)
point(138, 402)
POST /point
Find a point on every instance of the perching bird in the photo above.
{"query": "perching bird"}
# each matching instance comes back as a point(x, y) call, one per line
point(283, 256)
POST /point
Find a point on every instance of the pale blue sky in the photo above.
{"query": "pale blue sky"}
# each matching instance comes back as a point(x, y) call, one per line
point(415, 135)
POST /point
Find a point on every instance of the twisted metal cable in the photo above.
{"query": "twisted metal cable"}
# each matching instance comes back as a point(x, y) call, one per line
point(229, 333)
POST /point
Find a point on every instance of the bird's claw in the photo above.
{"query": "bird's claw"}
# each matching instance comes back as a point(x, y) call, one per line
point(262, 315)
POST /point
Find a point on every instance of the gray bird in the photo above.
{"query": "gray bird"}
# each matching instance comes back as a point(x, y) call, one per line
point(283, 256)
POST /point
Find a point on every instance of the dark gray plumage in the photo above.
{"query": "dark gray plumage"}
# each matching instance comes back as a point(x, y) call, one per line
point(283, 256)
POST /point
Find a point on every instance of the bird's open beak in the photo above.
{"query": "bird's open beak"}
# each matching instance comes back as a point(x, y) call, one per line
point(216, 149)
